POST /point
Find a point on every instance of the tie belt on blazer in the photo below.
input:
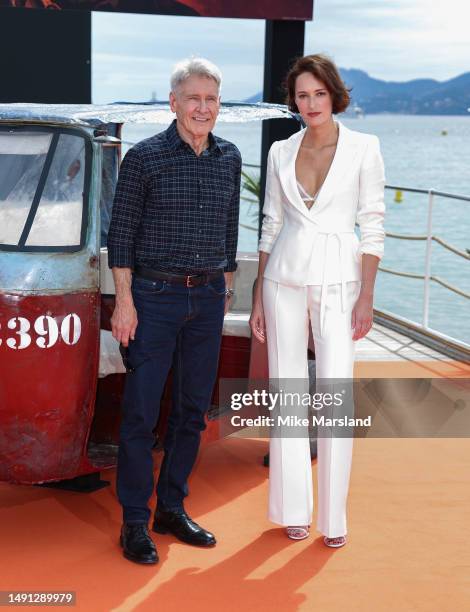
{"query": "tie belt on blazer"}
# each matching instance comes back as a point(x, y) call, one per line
point(324, 286)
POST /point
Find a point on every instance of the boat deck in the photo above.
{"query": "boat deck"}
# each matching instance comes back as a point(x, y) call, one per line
point(388, 353)
point(383, 344)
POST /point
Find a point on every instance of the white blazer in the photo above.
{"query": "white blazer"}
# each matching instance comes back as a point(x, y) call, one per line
point(318, 246)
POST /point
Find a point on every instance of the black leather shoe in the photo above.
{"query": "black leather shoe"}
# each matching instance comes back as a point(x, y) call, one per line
point(182, 527)
point(137, 544)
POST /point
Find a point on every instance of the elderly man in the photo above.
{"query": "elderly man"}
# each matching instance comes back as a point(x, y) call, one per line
point(172, 246)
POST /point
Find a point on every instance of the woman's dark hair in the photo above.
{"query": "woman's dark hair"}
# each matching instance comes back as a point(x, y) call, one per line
point(323, 69)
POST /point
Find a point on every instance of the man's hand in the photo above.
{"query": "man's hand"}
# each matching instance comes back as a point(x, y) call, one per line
point(124, 319)
point(124, 322)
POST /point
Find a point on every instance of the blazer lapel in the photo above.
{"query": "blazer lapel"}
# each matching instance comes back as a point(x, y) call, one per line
point(343, 159)
point(287, 157)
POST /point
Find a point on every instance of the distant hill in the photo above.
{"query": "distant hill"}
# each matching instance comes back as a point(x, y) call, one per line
point(416, 97)
point(256, 98)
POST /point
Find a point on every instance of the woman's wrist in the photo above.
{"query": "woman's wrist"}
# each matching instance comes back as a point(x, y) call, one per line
point(367, 292)
point(367, 288)
point(257, 298)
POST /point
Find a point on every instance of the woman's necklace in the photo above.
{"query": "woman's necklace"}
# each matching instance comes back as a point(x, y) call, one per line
point(325, 146)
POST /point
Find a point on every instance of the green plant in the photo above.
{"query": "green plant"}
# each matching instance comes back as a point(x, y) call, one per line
point(252, 186)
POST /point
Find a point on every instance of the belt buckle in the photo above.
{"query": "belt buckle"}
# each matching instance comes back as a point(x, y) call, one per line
point(189, 282)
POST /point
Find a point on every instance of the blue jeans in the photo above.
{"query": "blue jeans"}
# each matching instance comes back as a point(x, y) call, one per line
point(179, 325)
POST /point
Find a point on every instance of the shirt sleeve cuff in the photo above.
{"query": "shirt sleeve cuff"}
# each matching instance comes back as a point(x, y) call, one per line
point(265, 245)
point(231, 266)
point(367, 250)
point(122, 258)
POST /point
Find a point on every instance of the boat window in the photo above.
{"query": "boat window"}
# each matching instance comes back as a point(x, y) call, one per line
point(42, 179)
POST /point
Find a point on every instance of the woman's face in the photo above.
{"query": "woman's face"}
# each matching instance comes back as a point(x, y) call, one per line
point(313, 100)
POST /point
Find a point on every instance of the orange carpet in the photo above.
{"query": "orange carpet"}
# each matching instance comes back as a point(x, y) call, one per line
point(408, 547)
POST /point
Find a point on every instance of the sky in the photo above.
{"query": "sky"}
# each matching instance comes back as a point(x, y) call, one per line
point(393, 40)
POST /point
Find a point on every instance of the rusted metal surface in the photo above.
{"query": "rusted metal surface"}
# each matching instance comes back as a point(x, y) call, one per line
point(48, 359)
point(107, 307)
point(49, 349)
point(27, 273)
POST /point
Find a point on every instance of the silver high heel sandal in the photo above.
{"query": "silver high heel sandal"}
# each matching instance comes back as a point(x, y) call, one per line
point(298, 533)
point(335, 542)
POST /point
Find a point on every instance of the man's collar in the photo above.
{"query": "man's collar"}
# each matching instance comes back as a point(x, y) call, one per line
point(175, 141)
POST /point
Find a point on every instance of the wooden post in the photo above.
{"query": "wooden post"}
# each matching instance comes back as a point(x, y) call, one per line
point(284, 42)
point(45, 56)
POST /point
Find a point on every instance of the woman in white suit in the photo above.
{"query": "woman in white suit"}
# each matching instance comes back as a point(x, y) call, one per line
point(314, 270)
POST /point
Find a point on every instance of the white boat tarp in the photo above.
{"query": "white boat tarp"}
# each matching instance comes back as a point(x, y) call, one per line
point(94, 115)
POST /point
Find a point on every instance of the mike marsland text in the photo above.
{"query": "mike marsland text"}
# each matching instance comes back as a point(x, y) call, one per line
point(295, 421)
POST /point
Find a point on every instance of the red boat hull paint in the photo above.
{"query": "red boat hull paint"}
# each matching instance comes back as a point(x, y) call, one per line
point(48, 361)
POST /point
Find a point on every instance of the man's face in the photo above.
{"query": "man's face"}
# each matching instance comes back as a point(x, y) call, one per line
point(196, 102)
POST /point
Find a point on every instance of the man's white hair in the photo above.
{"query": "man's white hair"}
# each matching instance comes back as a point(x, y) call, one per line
point(198, 66)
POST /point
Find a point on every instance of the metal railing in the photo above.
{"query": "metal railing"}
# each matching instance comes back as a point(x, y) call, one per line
point(429, 237)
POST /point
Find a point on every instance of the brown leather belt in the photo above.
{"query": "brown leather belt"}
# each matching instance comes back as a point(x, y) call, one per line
point(189, 280)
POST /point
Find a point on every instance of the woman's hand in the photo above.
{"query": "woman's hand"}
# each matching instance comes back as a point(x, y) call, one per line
point(362, 315)
point(257, 321)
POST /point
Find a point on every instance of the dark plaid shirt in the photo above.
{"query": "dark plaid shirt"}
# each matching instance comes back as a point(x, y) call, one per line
point(175, 211)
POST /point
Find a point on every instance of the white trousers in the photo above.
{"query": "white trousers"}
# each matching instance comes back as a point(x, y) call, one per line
point(288, 311)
